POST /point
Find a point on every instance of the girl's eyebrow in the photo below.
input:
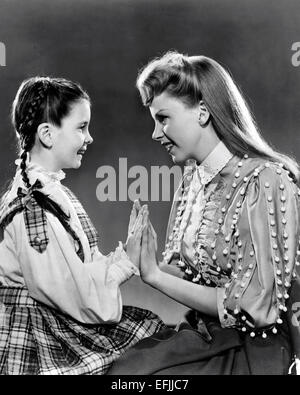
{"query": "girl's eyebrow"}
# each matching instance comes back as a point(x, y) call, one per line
point(159, 112)
point(162, 109)
point(84, 123)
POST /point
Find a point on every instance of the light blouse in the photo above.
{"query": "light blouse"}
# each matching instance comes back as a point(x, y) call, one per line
point(88, 291)
point(235, 225)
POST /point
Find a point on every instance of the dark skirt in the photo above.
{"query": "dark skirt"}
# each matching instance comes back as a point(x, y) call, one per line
point(213, 351)
point(38, 340)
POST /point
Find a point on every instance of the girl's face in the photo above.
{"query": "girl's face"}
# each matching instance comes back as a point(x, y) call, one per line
point(176, 127)
point(71, 139)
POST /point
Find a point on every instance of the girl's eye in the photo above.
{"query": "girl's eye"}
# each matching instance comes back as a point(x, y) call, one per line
point(162, 120)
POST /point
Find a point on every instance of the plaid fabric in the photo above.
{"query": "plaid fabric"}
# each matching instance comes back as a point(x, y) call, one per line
point(36, 221)
point(37, 340)
point(36, 225)
point(86, 223)
point(34, 217)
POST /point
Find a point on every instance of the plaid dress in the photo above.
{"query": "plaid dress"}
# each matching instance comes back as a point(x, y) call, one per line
point(39, 340)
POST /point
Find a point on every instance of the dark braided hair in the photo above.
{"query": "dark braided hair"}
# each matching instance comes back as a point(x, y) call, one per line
point(38, 100)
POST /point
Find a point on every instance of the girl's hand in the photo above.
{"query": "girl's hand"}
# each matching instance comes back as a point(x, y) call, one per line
point(133, 244)
point(149, 265)
point(133, 216)
point(136, 207)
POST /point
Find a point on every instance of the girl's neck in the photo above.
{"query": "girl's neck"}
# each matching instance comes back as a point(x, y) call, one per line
point(207, 143)
point(45, 161)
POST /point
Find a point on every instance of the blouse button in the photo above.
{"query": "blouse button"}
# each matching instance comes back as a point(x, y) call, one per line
point(37, 240)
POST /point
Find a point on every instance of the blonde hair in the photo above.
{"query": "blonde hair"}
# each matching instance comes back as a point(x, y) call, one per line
point(195, 78)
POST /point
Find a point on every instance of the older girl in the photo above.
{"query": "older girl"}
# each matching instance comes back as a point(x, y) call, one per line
point(233, 232)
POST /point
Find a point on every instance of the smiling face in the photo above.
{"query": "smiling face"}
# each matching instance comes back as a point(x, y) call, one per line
point(176, 127)
point(70, 140)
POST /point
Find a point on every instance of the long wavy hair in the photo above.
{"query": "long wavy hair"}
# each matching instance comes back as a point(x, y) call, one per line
point(195, 78)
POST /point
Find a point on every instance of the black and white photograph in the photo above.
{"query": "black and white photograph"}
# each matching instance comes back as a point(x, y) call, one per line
point(150, 190)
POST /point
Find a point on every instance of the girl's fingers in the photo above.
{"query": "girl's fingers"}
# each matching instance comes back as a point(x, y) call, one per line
point(144, 240)
point(132, 218)
point(137, 230)
point(137, 204)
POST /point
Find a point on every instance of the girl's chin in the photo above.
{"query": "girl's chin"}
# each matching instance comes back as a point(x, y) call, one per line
point(177, 158)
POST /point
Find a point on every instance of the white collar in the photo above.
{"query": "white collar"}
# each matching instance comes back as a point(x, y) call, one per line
point(213, 163)
point(36, 171)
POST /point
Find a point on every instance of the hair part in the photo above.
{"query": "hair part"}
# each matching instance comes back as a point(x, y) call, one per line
point(195, 78)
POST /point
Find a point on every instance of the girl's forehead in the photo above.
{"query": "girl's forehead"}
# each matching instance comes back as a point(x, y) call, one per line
point(80, 110)
point(164, 101)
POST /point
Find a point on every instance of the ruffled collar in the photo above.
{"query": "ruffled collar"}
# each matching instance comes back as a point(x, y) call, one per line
point(213, 164)
point(36, 171)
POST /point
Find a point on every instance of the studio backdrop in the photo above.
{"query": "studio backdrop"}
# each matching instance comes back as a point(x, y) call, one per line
point(102, 44)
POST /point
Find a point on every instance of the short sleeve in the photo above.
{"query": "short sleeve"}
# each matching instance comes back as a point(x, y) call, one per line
point(264, 250)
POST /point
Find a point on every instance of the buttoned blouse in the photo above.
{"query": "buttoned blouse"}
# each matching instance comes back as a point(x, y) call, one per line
point(235, 225)
point(88, 291)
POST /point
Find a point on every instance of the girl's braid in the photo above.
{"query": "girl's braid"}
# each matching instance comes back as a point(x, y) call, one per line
point(27, 136)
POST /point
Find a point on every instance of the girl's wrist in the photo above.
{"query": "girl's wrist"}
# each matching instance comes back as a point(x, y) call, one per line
point(153, 278)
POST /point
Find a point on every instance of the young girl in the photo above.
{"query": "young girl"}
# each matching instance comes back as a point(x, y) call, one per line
point(233, 232)
point(60, 303)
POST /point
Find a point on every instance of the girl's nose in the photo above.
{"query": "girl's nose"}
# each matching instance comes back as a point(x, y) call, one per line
point(89, 139)
point(157, 133)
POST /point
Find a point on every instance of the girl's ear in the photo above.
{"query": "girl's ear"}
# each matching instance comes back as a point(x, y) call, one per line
point(204, 114)
point(44, 134)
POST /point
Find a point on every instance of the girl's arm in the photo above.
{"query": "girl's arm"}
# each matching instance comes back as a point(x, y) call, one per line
point(88, 291)
point(195, 296)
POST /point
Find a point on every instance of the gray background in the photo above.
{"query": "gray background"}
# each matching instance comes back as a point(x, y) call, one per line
point(102, 44)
